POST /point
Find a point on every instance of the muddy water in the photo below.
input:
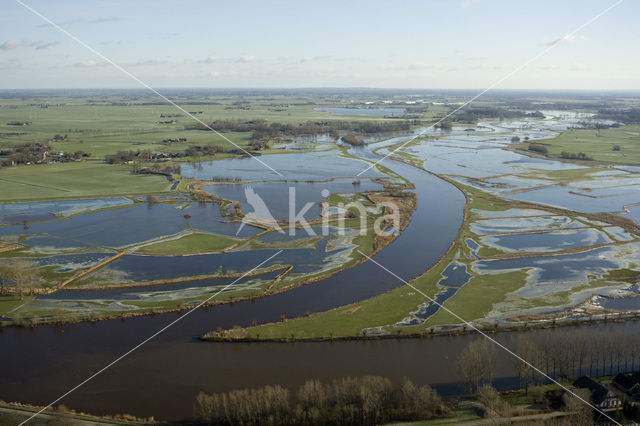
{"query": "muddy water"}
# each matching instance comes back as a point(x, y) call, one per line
point(163, 377)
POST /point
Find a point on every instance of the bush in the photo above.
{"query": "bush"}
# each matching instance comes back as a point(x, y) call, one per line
point(121, 157)
point(536, 147)
point(494, 405)
point(616, 147)
point(444, 125)
point(572, 156)
point(353, 140)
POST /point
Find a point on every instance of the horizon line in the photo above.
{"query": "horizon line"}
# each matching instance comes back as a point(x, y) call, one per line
point(322, 88)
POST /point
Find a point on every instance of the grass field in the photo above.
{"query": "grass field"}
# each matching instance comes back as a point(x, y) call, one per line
point(101, 124)
point(76, 180)
point(189, 244)
point(99, 127)
point(9, 302)
point(599, 145)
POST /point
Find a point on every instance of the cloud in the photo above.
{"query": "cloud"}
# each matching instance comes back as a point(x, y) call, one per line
point(105, 19)
point(578, 66)
point(321, 58)
point(567, 39)
point(90, 63)
point(62, 23)
point(147, 62)
point(99, 20)
point(18, 43)
point(13, 44)
point(423, 66)
point(466, 4)
point(211, 60)
point(222, 60)
point(39, 45)
point(112, 42)
point(245, 59)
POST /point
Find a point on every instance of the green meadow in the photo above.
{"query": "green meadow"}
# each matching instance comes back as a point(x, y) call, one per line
point(599, 144)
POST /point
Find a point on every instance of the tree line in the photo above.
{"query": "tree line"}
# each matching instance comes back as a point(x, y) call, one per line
point(156, 169)
point(126, 156)
point(573, 156)
point(262, 130)
point(37, 153)
point(347, 401)
point(473, 114)
point(561, 354)
point(624, 115)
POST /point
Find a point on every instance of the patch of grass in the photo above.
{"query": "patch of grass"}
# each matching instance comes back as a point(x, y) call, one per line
point(476, 298)
point(570, 175)
point(189, 244)
point(9, 302)
point(459, 416)
point(626, 275)
point(519, 397)
point(599, 144)
point(298, 243)
point(75, 180)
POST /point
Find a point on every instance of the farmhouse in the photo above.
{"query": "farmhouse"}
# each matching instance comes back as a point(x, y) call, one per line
point(601, 397)
point(628, 383)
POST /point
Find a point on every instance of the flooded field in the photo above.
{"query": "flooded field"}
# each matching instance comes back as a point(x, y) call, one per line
point(508, 261)
point(304, 166)
point(394, 112)
point(106, 244)
point(504, 241)
point(277, 194)
point(410, 252)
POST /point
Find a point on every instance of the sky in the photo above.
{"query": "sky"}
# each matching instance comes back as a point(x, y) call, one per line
point(452, 44)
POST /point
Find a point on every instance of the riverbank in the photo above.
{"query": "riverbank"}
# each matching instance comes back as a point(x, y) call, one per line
point(16, 413)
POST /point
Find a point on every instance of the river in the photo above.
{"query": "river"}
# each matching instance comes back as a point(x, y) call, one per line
point(163, 377)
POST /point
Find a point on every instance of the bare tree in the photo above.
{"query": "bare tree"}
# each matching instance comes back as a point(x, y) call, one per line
point(494, 405)
point(476, 363)
point(581, 348)
point(582, 413)
point(635, 351)
point(530, 352)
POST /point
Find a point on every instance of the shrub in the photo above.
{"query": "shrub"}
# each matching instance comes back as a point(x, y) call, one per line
point(574, 156)
point(536, 147)
point(353, 140)
point(444, 125)
point(493, 403)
